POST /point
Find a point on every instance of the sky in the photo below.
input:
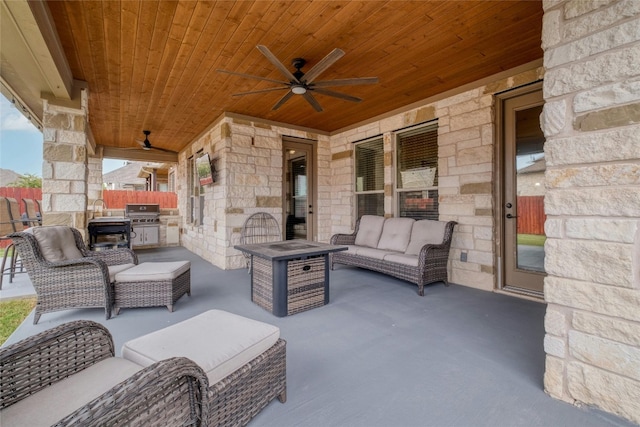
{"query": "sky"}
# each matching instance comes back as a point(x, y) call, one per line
point(21, 143)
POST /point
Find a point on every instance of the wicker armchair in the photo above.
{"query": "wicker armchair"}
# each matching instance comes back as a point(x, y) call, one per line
point(169, 393)
point(62, 283)
point(260, 227)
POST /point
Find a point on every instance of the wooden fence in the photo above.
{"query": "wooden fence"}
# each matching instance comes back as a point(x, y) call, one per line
point(531, 216)
point(20, 193)
point(117, 199)
point(114, 199)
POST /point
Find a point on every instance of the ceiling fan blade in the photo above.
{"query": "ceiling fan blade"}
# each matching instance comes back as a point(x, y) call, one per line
point(145, 145)
point(282, 100)
point(251, 76)
point(337, 95)
point(275, 61)
point(271, 89)
point(163, 150)
point(324, 63)
point(311, 100)
point(346, 82)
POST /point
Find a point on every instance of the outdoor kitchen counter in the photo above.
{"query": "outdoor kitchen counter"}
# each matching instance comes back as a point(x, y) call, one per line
point(169, 225)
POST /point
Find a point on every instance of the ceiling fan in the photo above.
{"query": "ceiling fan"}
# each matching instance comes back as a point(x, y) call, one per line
point(300, 83)
point(146, 144)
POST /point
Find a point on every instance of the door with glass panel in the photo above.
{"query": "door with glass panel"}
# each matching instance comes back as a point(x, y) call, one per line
point(299, 194)
point(522, 211)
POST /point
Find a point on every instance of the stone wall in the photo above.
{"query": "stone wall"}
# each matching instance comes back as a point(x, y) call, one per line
point(94, 184)
point(65, 161)
point(465, 172)
point(249, 160)
point(591, 120)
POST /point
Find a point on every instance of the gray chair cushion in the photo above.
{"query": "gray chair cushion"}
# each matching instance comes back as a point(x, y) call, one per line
point(56, 243)
point(153, 272)
point(218, 341)
point(56, 401)
point(115, 269)
point(369, 231)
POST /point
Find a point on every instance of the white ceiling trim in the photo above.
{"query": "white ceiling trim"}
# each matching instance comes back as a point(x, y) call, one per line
point(32, 59)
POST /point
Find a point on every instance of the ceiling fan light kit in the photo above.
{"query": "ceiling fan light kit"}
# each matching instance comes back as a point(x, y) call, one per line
point(298, 90)
point(300, 83)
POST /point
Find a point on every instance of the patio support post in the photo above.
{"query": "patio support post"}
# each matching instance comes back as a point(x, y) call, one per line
point(66, 137)
point(591, 121)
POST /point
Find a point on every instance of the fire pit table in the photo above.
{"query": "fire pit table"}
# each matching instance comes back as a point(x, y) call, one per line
point(290, 276)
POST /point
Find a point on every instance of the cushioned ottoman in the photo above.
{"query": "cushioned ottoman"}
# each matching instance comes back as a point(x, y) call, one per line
point(244, 359)
point(152, 284)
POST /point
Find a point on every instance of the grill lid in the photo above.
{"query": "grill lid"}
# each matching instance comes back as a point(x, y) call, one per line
point(142, 210)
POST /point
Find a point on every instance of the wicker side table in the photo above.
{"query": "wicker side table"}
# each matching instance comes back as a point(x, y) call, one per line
point(152, 284)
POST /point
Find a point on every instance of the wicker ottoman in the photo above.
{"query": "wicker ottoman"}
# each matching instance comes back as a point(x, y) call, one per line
point(152, 284)
point(244, 359)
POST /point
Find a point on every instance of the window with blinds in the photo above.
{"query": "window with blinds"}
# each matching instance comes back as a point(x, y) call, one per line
point(369, 168)
point(196, 192)
point(417, 172)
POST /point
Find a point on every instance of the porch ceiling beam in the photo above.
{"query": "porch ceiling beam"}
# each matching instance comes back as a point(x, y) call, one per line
point(138, 154)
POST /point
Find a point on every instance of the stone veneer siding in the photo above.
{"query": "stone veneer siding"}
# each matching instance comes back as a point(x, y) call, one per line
point(591, 121)
point(249, 161)
point(65, 162)
point(94, 184)
point(249, 157)
point(465, 172)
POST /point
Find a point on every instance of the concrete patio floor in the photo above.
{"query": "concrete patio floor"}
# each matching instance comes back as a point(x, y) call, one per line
point(378, 354)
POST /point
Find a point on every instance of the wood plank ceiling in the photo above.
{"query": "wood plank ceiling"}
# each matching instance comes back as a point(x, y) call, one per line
point(151, 64)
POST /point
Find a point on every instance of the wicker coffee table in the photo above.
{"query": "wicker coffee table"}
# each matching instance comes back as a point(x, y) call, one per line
point(290, 276)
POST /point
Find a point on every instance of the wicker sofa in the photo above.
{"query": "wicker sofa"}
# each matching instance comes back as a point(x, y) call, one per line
point(416, 251)
point(68, 375)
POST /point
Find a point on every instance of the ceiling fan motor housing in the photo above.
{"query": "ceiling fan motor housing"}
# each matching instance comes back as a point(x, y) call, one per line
point(300, 83)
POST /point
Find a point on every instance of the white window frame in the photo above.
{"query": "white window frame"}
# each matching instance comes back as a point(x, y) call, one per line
point(356, 179)
point(196, 192)
point(420, 177)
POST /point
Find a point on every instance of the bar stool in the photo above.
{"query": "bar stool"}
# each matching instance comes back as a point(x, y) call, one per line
point(10, 222)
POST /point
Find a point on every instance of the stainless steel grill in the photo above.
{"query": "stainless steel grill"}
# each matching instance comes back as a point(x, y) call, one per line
point(142, 213)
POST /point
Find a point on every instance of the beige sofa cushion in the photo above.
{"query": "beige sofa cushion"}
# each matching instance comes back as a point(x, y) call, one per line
point(55, 402)
point(425, 232)
point(218, 341)
point(409, 260)
point(369, 231)
point(56, 243)
point(396, 233)
point(371, 252)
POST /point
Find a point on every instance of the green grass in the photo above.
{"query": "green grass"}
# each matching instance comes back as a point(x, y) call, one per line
point(4, 249)
point(12, 313)
point(531, 239)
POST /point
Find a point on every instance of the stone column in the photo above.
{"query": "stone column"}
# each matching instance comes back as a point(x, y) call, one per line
point(591, 121)
point(94, 182)
point(64, 167)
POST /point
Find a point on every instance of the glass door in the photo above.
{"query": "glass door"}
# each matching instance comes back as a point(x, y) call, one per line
point(523, 214)
point(298, 190)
